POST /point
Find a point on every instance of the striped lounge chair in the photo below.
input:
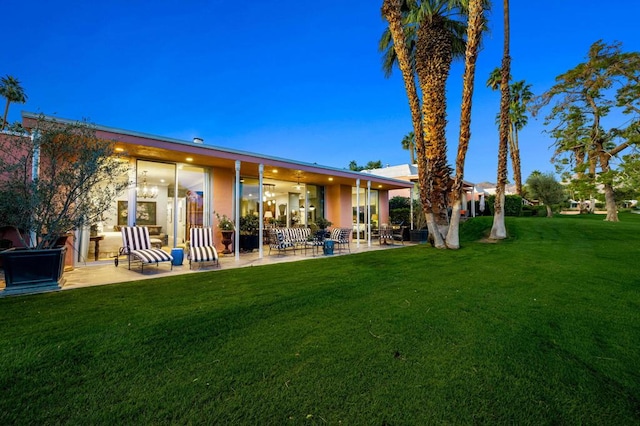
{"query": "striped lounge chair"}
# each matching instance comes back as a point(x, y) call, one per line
point(136, 245)
point(201, 248)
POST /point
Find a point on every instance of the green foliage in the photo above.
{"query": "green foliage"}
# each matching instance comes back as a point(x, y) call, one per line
point(593, 117)
point(540, 211)
point(323, 223)
point(80, 176)
point(512, 204)
point(545, 187)
point(399, 203)
point(370, 165)
point(224, 222)
point(400, 212)
point(249, 224)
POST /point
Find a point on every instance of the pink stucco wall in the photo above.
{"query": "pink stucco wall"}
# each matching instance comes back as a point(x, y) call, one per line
point(223, 183)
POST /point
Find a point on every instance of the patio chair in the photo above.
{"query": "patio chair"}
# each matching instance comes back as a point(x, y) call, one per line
point(386, 234)
point(280, 242)
point(340, 237)
point(201, 247)
point(136, 245)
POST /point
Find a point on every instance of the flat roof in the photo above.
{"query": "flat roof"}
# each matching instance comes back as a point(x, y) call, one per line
point(150, 146)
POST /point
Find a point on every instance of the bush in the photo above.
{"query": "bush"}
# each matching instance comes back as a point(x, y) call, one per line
point(512, 205)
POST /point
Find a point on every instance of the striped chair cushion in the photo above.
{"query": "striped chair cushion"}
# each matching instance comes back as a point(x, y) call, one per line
point(135, 237)
point(203, 254)
point(152, 255)
point(201, 248)
point(200, 237)
point(281, 242)
point(136, 242)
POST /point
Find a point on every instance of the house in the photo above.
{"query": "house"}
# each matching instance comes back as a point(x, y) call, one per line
point(409, 173)
point(177, 184)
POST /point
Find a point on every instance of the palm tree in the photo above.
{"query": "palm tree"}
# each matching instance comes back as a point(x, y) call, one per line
point(498, 230)
point(409, 143)
point(427, 51)
point(520, 95)
point(11, 89)
point(474, 33)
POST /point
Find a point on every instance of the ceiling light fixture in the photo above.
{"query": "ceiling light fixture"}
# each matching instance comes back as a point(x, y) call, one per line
point(146, 191)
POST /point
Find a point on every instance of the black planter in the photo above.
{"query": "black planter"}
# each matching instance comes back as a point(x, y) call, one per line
point(249, 242)
point(33, 271)
point(419, 235)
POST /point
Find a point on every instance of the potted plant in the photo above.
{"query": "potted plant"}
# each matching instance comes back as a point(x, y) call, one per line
point(59, 178)
point(227, 227)
point(249, 229)
point(419, 233)
point(322, 224)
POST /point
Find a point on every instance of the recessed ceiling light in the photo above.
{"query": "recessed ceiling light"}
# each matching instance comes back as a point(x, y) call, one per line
point(274, 171)
point(331, 179)
point(118, 149)
point(189, 159)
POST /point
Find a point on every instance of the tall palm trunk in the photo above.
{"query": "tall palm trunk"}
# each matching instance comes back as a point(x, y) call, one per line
point(433, 62)
point(392, 13)
point(515, 161)
point(499, 230)
point(514, 153)
point(474, 32)
point(4, 117)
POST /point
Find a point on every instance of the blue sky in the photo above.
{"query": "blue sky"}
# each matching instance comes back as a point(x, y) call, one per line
point(281, 77)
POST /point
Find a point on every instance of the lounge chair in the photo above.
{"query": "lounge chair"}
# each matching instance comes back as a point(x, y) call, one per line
point(201, 247)
point(136, 245)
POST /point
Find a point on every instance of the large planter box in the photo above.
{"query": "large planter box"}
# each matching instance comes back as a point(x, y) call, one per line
point(419, 235)
point(249, 242)
point(33, 271)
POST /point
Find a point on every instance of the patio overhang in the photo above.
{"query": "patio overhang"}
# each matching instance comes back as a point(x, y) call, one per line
point(152, 147)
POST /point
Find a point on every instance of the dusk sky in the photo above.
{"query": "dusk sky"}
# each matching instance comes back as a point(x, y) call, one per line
point(285, 78)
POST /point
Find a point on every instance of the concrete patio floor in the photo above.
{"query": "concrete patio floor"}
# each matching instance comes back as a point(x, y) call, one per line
point(105, 272)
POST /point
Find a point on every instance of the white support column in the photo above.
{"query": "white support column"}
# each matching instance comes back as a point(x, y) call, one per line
point(411, 207)
point(358, 213)
point(176, 176)
point(236, 213)
point(35, 174)
point(369, 213)
point(261, 210)
point(473, 201)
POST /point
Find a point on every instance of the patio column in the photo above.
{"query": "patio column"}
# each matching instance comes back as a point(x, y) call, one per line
point(369, 213)
point(473, 201)
point(261, 209)
point(236, 213)
point(358, 212)
point(411, 207)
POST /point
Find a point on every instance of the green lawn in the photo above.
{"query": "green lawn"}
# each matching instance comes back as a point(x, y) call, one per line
point(543, 328)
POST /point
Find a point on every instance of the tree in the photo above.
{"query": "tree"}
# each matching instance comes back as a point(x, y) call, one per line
point(409, 143)
point(498, 229)
point(353, 165)
point(602, 91)
point(79, 177)
point(474, 33)
point(521, 95)
point(545, 187)
point(426, 37)
point(12, 91)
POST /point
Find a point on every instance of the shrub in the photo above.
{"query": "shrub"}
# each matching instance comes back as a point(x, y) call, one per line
point(512, 204)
